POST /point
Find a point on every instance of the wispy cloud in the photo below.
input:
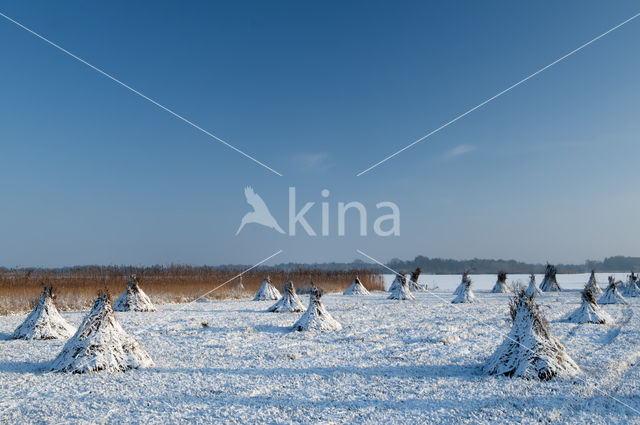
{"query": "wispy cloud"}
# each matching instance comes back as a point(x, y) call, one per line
point(459, 150)
point(313, 161)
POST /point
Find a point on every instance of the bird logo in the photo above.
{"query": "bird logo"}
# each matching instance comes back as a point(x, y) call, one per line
point(260, 213)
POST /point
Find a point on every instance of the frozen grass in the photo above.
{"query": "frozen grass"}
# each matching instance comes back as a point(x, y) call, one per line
point(411, 362)
point(19, 290)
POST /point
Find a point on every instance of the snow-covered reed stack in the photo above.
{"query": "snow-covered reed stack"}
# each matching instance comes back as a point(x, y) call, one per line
point(133, 298)
point(532, 289)
point(463, 283)
point(589, 311)
point(356, 288)
point(290, 302)
point(267, 291)
point(317, 318)
point(100, 343)
point(530, 351)
point(401, 291)
point(397, 281)
point(593, 284)
point(622, 286)
point(631, 289)
point(501, 286)
point(44, 321)
point(413, 281)
point(611, 294)
point(550, 283)
point(466, 294)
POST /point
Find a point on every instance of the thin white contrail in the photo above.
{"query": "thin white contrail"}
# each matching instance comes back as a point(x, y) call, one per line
point(498, 95)
point(175, 114)
point(482, 322)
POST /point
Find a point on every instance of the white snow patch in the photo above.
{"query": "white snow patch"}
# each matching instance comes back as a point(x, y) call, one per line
point(392, 363)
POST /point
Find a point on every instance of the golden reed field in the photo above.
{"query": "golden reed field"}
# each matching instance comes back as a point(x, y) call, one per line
point(76, 289)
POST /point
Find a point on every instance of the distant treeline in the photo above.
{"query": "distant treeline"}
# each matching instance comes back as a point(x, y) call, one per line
point(478, 265)
point(426, 264)
point(176, 269)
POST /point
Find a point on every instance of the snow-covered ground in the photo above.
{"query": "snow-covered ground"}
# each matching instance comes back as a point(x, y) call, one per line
point(393, 362)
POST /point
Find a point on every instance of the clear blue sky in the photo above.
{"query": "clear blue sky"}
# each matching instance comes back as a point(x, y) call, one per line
point(91, 173)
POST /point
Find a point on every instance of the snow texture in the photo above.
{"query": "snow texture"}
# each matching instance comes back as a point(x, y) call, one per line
point(530, 351)
point(267, 291)
point(356, 288)
point(101, 344)
point(611, 294)
point(44, 321)
point(550, 282)
point(401, 291)
point(316, 318)
point(501, 286)
point(133, 298)
point(589, 311)
point(290, 302)
point(393, 363)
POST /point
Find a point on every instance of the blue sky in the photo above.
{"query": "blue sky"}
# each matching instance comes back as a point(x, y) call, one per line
point(91, 173)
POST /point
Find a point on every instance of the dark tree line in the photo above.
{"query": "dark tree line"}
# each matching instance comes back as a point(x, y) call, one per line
point(426, 264)
point(489, 266)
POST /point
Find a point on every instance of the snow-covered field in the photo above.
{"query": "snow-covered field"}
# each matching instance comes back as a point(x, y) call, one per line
point(393, 362)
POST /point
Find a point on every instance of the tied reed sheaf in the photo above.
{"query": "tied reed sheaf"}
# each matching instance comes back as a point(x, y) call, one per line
point(76, 289)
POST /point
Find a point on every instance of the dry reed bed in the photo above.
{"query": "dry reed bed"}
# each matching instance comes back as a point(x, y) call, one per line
point(76, 289)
